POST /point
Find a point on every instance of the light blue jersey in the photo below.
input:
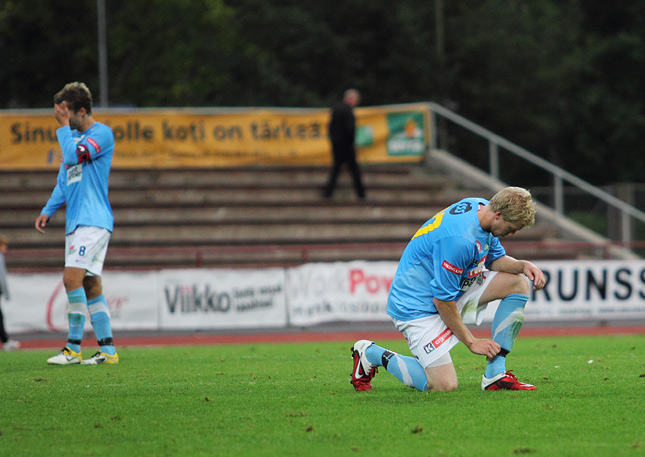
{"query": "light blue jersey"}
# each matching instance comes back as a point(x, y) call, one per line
point(445, 256)
point(83, 186)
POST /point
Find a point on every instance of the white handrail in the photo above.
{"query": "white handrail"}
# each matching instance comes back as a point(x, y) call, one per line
point(559, 174)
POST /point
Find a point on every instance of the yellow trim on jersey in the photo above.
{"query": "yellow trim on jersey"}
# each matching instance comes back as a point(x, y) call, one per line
point(432, 226)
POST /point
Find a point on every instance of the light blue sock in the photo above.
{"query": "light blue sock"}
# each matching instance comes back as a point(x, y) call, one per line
point(100, 318)
point(405, 369)
point(76, 315)
point(506, 325)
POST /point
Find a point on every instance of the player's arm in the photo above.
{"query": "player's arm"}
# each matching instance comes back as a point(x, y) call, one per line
point(454, 257)
point(73, 154)
point(62, 114)
point(41, 222)
point(511, 265)
point(451, 317)
point(55, 201)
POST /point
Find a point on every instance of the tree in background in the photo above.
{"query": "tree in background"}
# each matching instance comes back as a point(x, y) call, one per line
point(562, 78)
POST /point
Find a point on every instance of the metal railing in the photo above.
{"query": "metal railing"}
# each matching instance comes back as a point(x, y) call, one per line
point(559, 175)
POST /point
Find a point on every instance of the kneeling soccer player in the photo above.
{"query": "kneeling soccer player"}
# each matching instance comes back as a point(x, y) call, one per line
point(449, 272)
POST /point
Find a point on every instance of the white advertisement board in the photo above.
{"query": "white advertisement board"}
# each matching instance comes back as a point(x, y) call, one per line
point(349, 291)
point(39, 302)
point(306, 295)
point(589, 290)
point(220, 298)
point(32, 303)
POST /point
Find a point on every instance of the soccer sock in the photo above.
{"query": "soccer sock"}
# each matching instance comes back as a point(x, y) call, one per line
point(76, 315)
point(405, 369)
point(506, 325)
point(100, 318)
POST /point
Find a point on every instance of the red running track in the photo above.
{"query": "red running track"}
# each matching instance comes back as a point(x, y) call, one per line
point(305, 336)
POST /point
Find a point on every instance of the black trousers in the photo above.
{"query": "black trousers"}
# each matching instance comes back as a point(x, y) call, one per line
point(3, 334)
point(354, 169)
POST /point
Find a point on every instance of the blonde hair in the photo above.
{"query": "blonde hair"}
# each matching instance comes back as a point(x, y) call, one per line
point(515, 205)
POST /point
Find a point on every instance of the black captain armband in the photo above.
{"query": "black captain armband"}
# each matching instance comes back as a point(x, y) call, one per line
point(83, 153)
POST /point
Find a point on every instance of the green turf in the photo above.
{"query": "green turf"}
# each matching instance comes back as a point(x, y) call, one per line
point(296, 400)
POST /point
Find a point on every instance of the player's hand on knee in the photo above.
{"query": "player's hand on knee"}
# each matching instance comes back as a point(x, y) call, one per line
point(535, 274)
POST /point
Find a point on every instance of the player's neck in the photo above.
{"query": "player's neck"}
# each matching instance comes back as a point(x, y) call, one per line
point(86, 123)
point(485, 217)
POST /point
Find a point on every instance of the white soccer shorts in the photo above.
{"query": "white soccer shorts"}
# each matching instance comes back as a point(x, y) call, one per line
point(430, 340)
point(85, 248)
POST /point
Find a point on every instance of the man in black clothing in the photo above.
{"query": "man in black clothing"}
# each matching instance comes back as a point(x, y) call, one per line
point(342, 129)
point(7, 343)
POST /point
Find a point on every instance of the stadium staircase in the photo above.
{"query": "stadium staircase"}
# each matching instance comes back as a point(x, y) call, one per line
point(250, 217)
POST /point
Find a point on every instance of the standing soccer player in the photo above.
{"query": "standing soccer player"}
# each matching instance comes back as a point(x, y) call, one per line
point(449, 272)
point(87, 147)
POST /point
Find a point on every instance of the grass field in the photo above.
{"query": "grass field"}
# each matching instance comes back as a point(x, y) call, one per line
point(296, 400)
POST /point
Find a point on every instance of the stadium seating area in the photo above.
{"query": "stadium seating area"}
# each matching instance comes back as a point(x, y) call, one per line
point(242, 217)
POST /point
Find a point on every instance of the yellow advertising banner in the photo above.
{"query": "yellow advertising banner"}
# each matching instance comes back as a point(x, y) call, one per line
point(196, 138)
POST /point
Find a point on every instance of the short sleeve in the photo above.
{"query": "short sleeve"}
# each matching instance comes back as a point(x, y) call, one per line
point(495, 251)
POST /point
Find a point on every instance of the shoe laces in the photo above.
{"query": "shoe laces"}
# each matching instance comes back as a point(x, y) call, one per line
point(511, 375)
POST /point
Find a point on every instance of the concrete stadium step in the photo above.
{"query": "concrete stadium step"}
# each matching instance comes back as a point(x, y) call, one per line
point(237, 234)
point(213, 257)
point(249, 234)
point(242, 217)
point(258, 214)
point(261, 177)
point(220, 197)
point(269, 177)
point(189, 256)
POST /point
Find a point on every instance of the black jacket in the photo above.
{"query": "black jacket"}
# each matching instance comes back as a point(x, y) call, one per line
point(342, 129)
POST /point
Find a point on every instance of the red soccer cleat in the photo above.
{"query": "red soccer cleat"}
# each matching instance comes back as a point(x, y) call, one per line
point(505, 381)
point(363, 371)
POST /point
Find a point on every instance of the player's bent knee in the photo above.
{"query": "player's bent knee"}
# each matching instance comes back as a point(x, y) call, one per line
point(519, 285)
point(443, 386)
point(442, 378)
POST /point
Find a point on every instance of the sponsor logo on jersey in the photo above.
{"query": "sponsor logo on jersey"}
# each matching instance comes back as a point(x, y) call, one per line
point(451, 268)
point(479, 246)
point(74, 174)
point(461, 208)
point(474, 275)
point(478, 269)
point(94, 144)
